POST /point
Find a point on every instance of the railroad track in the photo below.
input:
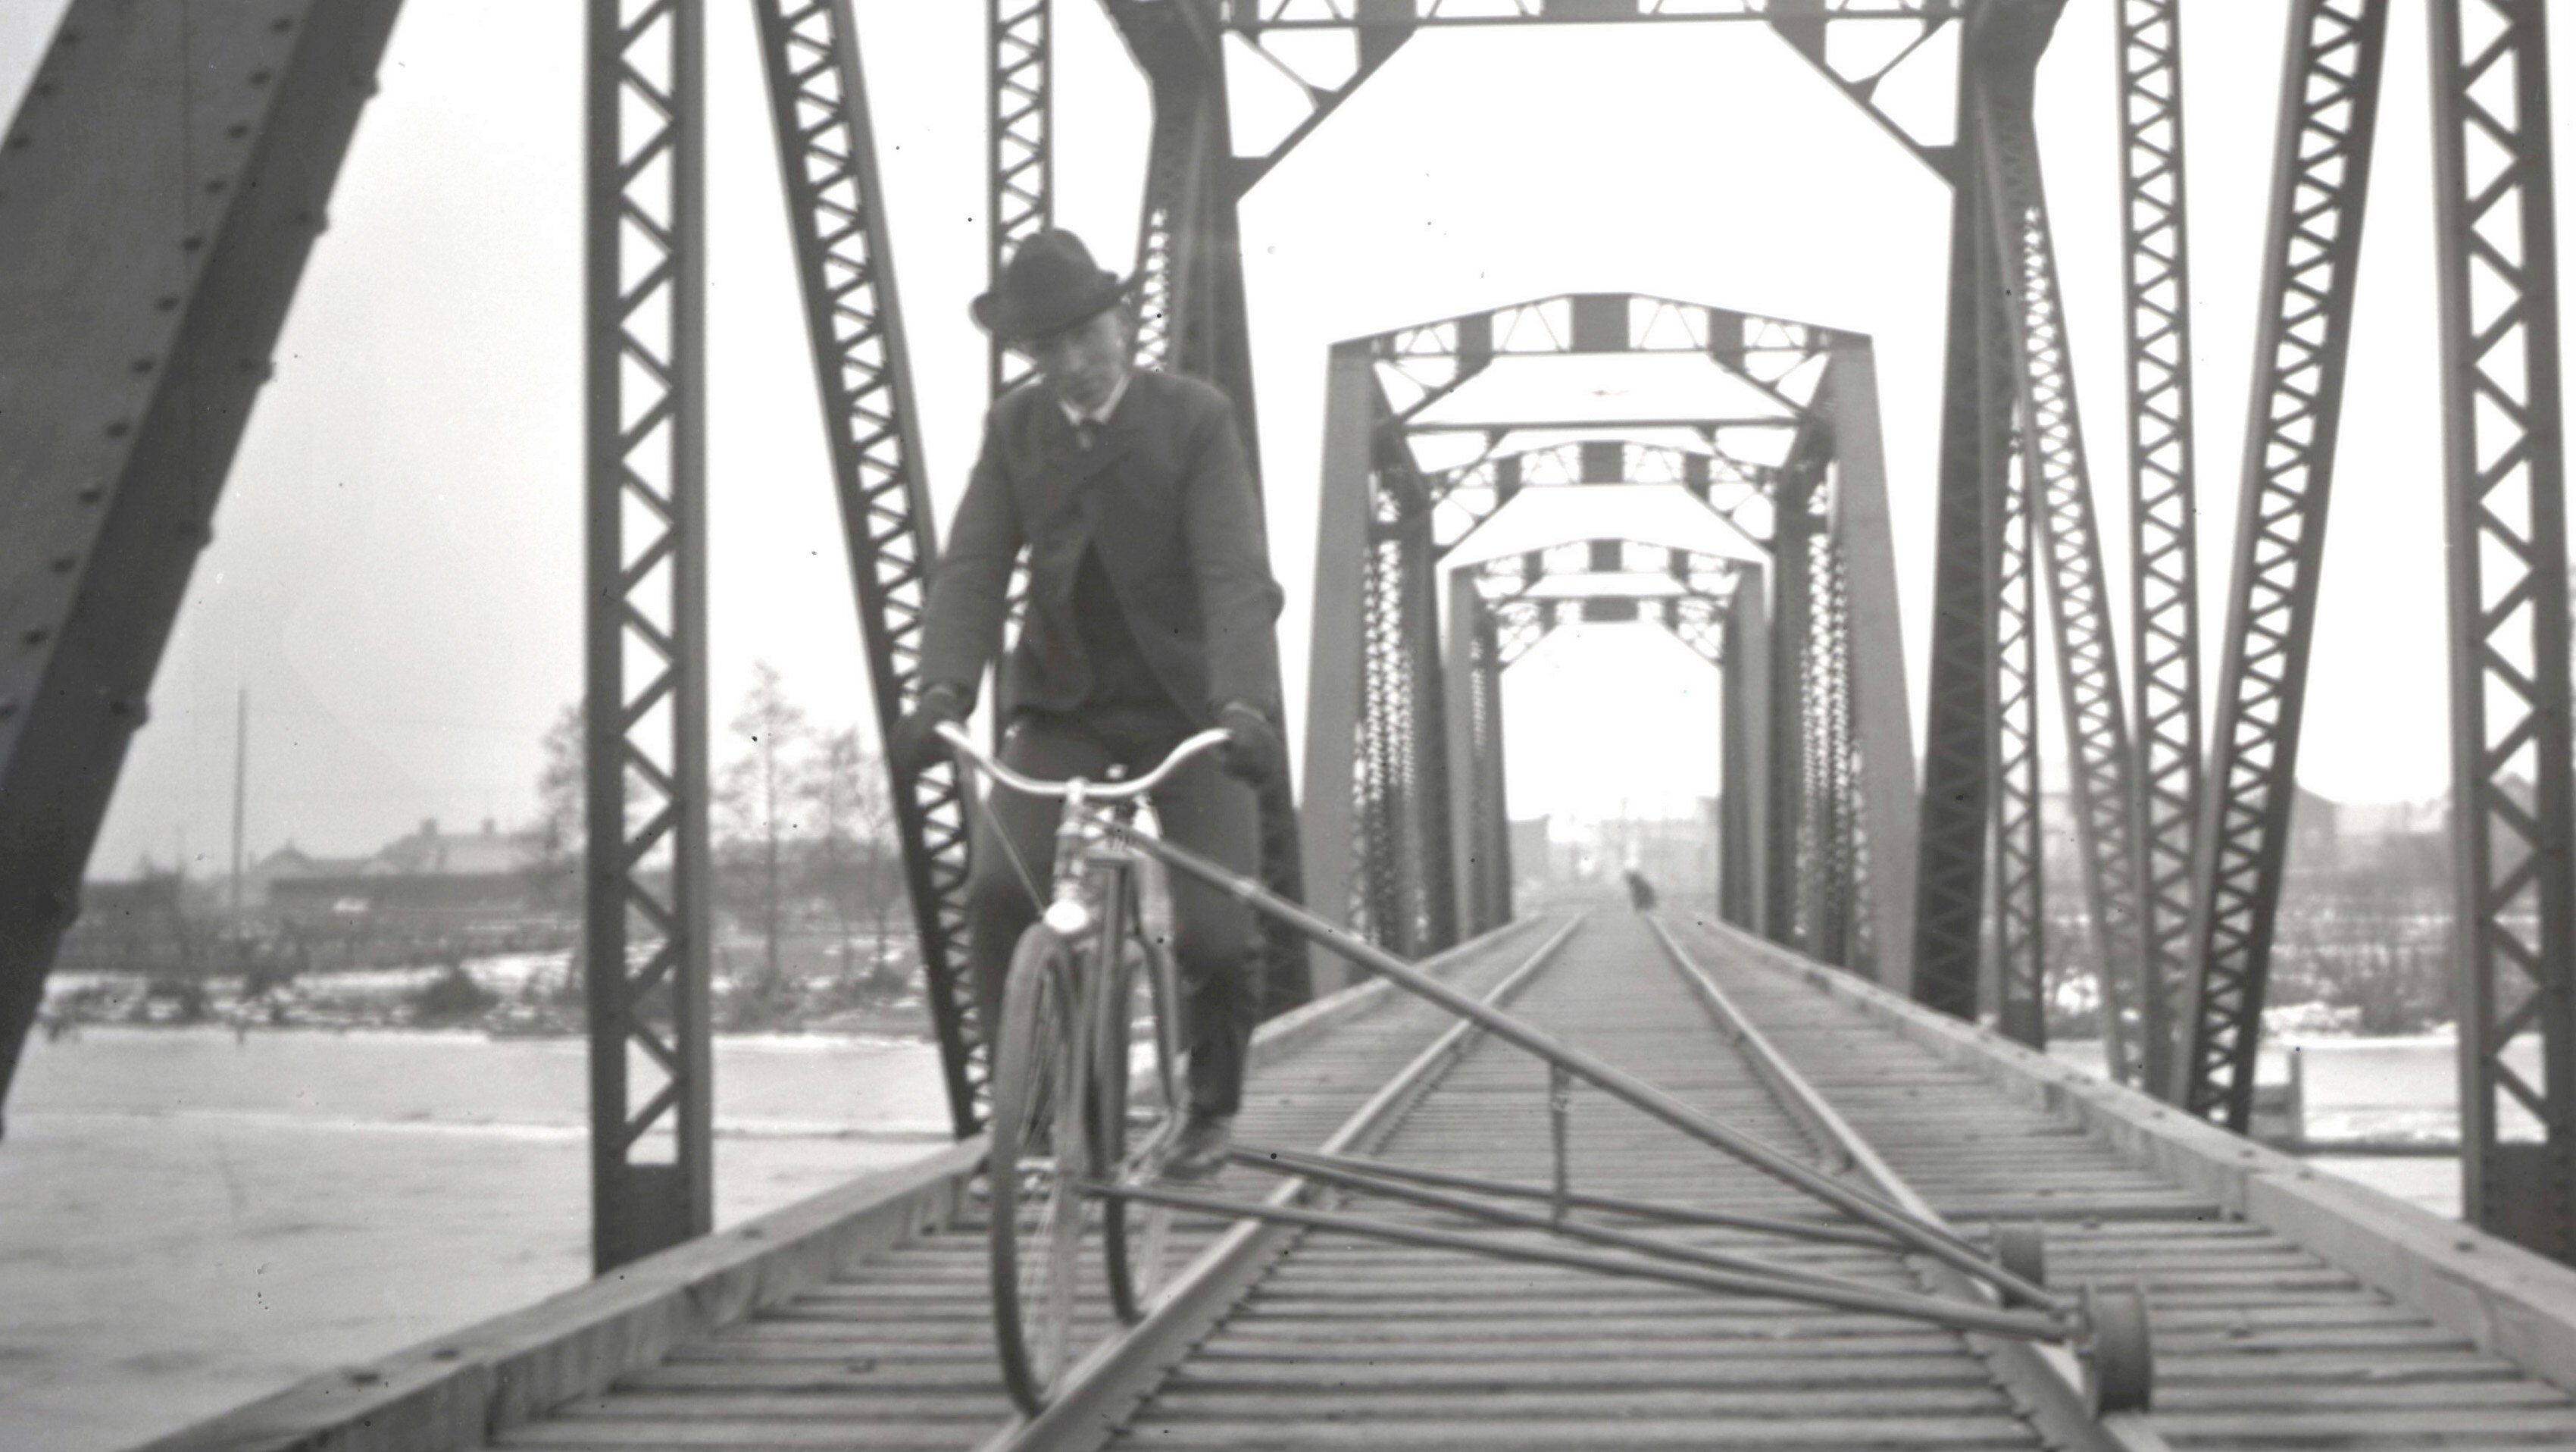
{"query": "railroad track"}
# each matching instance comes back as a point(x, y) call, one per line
point(1315, 1338)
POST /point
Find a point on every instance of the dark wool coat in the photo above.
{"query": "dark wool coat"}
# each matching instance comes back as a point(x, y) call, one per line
point(1163, 495)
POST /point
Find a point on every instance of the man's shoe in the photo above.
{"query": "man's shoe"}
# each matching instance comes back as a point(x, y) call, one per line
point(1201, 1149)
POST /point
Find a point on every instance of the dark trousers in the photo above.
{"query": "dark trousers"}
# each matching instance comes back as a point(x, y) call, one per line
point(1201, 809)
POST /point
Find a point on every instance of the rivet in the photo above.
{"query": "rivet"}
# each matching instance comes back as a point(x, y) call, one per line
point(2467, 1245)
point(63, 563)
point(237, 130)
point(142, 365)
point(166, 304)
point(44, 89)
point(282, 24)
point(91, 493)
point(119, 429)
point(8, 708)
point(214, 185)
point(21, 141)
point(35, 635)
point(192, 242)
point(445, 1353)
point(260, 77)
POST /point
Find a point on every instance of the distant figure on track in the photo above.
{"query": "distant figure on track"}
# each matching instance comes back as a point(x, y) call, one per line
point(1641, 893)
point(1151, 613)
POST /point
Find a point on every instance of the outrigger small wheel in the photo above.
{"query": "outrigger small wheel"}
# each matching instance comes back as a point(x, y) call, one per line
point(2119, 1359)
point(2021, 1250)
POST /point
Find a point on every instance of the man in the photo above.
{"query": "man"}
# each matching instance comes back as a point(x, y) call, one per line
point(1151, 614)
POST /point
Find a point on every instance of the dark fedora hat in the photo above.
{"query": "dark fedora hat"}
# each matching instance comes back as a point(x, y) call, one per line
point(1050, 283)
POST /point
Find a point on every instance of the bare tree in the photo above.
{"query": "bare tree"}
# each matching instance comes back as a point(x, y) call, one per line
point(846, 795)
point(561, 832)
point(758, 793)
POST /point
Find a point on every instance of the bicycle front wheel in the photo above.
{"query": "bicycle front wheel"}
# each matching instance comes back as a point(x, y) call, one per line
point(1138, 1089)
point(1034, 1172)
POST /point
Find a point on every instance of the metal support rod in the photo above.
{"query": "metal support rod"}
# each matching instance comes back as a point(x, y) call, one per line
point(2164, 588)
point(1934, 1241)
point(1960, 1315)
point(2320, 187)
point(1888, 814)
point(2505, 496)
point(1337, 651)
point(1822, 1232)
point(1792, 1281)
point(645, 944)
point(836, 213)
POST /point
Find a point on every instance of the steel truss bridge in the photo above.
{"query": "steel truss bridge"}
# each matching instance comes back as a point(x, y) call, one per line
point(1878, 888)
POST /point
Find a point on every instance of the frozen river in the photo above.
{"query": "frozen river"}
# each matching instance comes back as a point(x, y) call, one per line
point(187, 1222)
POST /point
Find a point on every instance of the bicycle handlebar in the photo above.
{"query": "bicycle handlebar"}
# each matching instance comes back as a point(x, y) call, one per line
point(955, 735)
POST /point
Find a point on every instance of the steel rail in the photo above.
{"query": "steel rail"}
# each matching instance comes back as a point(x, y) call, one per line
point(2045, 1379)
point(1925, 1234)
point(1107, 1384)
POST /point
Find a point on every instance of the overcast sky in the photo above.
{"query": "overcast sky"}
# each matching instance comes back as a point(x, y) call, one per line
point(395, 573)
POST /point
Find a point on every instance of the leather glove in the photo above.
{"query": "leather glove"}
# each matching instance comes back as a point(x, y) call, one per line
point(1255, 753)
point(916, 743)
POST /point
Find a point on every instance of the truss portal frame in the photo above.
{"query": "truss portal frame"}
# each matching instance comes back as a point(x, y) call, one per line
point(645, 945)
point(2320, 185)
point(2504, 470)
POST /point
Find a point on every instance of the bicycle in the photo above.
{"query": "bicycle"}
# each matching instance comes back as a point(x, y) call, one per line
point(1064, 1115)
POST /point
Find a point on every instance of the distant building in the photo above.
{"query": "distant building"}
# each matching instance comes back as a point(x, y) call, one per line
point(489, 874)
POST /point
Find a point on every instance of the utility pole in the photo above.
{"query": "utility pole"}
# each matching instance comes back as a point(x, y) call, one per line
point(241, 780)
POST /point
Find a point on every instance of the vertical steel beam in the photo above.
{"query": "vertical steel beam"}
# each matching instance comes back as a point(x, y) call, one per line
point(1956, 820)
point(1337, 653)
point(1461, 684)
point(164, 179)
point(645, 943)
point(854, 326)
point(1019, 144)
point(1192, 319)
point(2164, 587)
point(2057, 479)
point(1744, 783)
point(1492, 782)
point(2021, 919)
point(2320, 184)
point(1427, 824)
point(1825, 854)
point(1882, 720)
point(2505, 491)
point(1792, 614)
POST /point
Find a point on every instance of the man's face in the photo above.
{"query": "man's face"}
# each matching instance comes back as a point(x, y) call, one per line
point(1084, 362)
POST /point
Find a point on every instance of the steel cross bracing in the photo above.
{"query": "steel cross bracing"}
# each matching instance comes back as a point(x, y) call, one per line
point(2055, 476)
point(645, 943)
point(2164, 589)
point(2505, 482)
point(2021, 916)
point(2320, 182)
point(1019, 142)
point(854, 324)
point(165, 177)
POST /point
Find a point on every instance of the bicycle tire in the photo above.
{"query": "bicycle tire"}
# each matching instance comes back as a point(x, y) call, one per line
point(1140, 1015)
point(1035, 1198)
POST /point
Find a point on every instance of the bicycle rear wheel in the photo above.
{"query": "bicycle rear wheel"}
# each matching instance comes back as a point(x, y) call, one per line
point(1034, 1172)
point(1138, 1092)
